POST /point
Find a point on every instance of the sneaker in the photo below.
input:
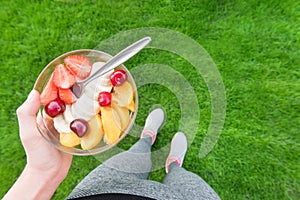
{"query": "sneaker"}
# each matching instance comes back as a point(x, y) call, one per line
point(178, 150)
point(153, 122)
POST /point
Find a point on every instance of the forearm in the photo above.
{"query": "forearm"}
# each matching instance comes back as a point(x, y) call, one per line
point(32, 186)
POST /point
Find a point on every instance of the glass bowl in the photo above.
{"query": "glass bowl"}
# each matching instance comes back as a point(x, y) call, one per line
point(46, 124)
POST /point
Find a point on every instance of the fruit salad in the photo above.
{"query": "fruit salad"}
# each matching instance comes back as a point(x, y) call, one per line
point(100, 115)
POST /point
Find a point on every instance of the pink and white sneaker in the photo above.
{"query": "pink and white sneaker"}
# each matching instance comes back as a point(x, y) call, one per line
point(153, 122)
point(178, 150)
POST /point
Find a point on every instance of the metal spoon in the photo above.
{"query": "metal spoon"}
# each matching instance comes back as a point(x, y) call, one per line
point(118, 59)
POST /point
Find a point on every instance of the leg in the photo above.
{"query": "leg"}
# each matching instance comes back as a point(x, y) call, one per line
point(136, 162)
point(132, 164)
point(188, 183)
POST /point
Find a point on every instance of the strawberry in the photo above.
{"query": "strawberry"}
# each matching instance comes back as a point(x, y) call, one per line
point(79, 65)
point(49, 93)
point(62, 77)
point(66, 95)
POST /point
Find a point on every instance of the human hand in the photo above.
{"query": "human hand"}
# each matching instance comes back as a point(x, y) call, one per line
point(46, 166)
point(42, 158)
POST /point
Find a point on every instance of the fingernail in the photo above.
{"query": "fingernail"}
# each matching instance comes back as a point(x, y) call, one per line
point(30, 96)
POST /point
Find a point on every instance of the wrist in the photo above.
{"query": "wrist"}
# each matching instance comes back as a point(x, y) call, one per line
point(33, 185)
point(47, 177)
point(42, 184)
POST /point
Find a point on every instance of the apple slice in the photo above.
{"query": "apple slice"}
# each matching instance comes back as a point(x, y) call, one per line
point(131, 106)
point(123, 94)
point(122, 114)
point(69, 139)
point(94, 134)
point(111, 125)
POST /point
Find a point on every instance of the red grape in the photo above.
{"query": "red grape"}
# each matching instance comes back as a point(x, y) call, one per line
point(104, 98)
point(79, 126)
point(55, 107)
point(118, 77)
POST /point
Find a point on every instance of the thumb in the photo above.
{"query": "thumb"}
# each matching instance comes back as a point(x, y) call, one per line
point(27, 112)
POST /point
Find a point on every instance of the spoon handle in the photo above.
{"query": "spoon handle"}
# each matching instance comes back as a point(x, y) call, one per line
point(120, 58)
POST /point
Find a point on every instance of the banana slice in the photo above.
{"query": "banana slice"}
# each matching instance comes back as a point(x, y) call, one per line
point(81, 113)
point(104, 85)
point(85, 108)
point(68, 116)
point(110, 122)
point(123, 94)
point(90, 93)
point(121, 116)
point(94, 134)
point(95, 87)
point(87, 105)
point(98, 65)
point(61, 125)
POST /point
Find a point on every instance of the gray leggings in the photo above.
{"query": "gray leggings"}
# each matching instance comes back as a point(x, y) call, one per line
point(127, 173)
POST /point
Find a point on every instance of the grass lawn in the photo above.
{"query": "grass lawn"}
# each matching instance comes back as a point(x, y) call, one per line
point(255, 45)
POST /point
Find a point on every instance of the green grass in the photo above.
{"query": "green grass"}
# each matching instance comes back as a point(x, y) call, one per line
point(255, 45)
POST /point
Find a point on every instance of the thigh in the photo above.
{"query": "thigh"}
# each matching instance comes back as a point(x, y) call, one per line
point(139, 187)
point(132, 164)
point(189, 184)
